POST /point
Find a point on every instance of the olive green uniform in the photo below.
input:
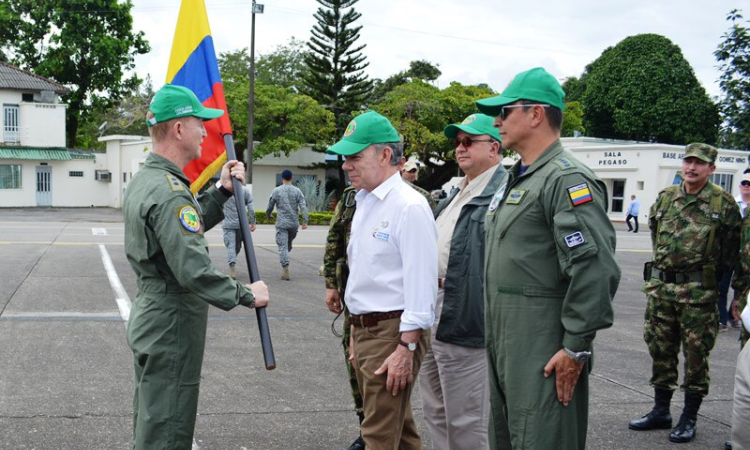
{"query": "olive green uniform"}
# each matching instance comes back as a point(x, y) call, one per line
point(695, 240)
point(164, 243)
point(550, 276)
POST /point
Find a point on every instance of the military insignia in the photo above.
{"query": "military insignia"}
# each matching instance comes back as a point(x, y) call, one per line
point(498, 197)
point(574, 239)
point(580, 194)
point(189, 219)
point(384, 224)
point(564, 163)
point(515, 196)
point(469, 119)
point(174, 183)
point(350, 129)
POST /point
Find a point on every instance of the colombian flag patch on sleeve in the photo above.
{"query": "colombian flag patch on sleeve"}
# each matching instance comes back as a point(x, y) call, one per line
point(580, 194)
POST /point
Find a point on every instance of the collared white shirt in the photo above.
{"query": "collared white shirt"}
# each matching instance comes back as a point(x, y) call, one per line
point(392, 255)
point(741, 204)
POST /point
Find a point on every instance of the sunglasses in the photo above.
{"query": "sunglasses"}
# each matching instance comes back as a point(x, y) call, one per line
point(745, 183)
point(504, 114)
point(466, 141)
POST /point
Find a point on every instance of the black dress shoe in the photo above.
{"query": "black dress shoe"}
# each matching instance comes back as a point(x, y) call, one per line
point(358, 444)
point(655, 420)
point(684, 431)
point(728, 445)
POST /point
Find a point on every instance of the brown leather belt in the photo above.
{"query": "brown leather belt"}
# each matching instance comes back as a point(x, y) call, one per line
point(441, 283)
point(372, 319)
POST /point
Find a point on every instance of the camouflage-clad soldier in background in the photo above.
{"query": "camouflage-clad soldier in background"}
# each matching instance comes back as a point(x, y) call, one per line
point(695, 232)
point(336, 271)
point(288, 200)
point(741, 280)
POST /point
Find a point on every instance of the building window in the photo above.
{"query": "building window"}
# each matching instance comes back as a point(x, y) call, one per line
point(10, 124)
point(75, 173)
point(10, 176)
point(618, 195)
point(722, 179)
point(27, 97)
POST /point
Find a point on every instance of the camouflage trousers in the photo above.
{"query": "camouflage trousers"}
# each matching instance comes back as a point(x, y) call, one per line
point(353, 385)
point(671, 323)
point(233, 243)
point(284, 238)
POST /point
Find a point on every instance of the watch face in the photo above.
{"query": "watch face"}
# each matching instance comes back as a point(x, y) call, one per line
point(412, 346)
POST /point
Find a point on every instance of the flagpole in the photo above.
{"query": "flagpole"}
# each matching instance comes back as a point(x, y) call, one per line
point(251, 100)
point(252, 264)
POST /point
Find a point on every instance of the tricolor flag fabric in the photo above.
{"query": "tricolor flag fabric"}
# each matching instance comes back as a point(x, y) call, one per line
point(193, 65)
point(580, 194)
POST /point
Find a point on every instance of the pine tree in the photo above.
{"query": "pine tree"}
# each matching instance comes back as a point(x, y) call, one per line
point(336, 77)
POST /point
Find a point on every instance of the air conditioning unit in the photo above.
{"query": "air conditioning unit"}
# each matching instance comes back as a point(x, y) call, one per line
point(103, 175)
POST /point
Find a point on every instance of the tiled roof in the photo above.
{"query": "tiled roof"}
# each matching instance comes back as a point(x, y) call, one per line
point(44, 153)
point(12, 77)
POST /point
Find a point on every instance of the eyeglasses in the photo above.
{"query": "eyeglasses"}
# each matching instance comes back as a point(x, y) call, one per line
point(504, 114)
point(466, 141)
point(745, 183)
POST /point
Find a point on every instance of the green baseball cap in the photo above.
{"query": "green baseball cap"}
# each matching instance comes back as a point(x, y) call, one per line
point(363, 131)
point(536, 84)
point(172, 102)
point(704, 152)
point(476, 124)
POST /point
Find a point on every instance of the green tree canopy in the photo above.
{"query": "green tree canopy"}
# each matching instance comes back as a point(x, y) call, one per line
point(284, 120)
point(572, 119)
point(418, 70)
point(86, 45)
point(643, 89)
point(336, 77)
point(420, 112)
point(282, 67)
point(733, 56)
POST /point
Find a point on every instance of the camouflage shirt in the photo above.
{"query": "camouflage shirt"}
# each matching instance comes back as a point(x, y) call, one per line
point(680, 228)
point(288, 200)
point(231, 219)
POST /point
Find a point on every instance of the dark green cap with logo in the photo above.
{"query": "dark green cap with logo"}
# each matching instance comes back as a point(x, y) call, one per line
point(536, 85)
point(172, 102)
point(704, 152)
point(363, 131)
point(475, 124)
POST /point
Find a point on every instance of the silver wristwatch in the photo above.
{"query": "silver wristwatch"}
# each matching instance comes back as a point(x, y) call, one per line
point(579, 357)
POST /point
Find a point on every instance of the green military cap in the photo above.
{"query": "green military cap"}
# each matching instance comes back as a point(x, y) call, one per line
point(363, 131)
point(535, 84)
point(475, 124)
point(172, 102)
point(704, 152)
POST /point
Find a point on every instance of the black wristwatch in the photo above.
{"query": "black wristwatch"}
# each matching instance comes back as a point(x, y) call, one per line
point(223, 190)
point(411, 346)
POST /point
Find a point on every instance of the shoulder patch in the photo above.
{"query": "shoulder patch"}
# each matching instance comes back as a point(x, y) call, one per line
point(189, 219)
point(580, 194)
point(564, 163)
point(174, 183)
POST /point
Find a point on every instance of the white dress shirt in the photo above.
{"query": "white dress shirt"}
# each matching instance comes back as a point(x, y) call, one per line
point(392, 255)
point(741, 203)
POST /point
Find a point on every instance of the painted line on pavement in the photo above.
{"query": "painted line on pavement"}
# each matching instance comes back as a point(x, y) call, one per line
point(121, 296)
point(61, 316)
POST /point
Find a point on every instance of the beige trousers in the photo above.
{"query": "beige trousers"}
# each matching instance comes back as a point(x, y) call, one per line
point(388, 423)
point(741, 415)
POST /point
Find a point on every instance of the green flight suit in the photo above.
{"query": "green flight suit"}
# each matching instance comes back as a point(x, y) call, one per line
point(550, 276)
point(164, 243)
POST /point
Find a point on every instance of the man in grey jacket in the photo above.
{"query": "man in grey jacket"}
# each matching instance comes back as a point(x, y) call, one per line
point(231, 228)
point(453, 384)
point(289, 201)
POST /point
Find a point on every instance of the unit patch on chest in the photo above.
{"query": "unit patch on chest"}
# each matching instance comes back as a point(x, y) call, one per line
point(515, 196)
point(580, 194)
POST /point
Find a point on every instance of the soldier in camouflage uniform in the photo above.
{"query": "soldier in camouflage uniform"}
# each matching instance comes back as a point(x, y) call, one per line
point(695, 231)
point(231, 228)
point(288, 200)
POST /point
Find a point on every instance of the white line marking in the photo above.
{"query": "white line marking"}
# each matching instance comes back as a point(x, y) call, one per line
point(122, 298)
point(99, 231)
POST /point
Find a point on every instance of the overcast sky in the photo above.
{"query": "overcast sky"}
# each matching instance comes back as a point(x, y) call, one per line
point(472, 41)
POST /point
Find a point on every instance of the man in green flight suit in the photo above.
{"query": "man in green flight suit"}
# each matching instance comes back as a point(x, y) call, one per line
point(695, 234)
point(165, 245)
point(550, 274)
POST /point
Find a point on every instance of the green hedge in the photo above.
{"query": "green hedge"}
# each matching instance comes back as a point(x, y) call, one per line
point(316, 218)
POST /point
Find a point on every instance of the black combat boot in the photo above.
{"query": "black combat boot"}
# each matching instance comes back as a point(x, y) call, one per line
point(359, 443)
point(659, 417)
point(685, 429)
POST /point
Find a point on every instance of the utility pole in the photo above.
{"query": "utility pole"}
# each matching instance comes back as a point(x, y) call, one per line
point(251, 100)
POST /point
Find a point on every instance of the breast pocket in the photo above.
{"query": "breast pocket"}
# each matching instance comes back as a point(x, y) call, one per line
point(684, 239)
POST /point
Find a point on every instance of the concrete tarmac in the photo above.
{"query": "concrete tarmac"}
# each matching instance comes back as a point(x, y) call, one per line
point(66, 374)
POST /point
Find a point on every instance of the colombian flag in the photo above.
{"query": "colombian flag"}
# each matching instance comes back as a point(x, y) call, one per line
point(193, 65)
